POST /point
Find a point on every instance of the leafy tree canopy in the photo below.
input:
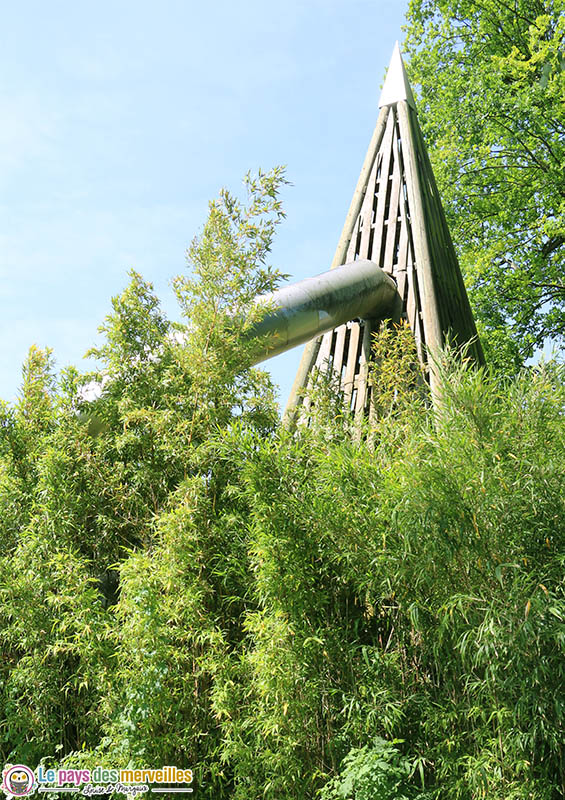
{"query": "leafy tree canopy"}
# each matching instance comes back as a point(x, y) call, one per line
point(492, 106)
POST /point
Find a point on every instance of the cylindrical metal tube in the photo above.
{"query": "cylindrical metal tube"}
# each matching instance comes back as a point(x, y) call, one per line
point(308, 308)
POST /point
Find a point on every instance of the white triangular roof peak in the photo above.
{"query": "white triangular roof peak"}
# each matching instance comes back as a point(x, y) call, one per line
point(396, 86)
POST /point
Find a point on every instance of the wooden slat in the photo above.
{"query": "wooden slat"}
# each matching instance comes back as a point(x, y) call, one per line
point(401, 282)
point(352, 248)
point(351, 363)
point(403, 242)
point(324, 354)
point(338, 355)
point(404, 252)
point(366, 214)
point(412, 304)
point(361, 399)
point(416, 323)
point(363, 369)
point(393, 217)
point(383, 189)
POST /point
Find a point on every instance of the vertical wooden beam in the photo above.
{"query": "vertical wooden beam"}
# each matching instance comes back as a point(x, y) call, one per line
point(422, 254)
point(362, 383)
point(349, 380)
point(307, 361)
point(339, 354)
point(379, 225)
point(455, 299)
point(361, 188)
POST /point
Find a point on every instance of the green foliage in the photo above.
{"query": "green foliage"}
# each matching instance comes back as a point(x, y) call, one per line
point(91, 467)
point(492, 107)
point(398, 386)
point(348, 611)
point(379, 772)
point(228, 271)
point(397, 590)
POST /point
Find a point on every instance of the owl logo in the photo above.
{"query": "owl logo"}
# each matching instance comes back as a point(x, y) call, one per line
point(19, 780)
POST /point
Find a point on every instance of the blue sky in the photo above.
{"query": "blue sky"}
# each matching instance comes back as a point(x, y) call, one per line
point(120, 120)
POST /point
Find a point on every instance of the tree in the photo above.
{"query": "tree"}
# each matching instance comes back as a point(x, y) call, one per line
point(97, 499)
point(412, 591)
point(492, 107)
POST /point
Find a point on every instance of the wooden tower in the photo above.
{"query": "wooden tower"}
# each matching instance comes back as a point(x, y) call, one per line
point(396, 220)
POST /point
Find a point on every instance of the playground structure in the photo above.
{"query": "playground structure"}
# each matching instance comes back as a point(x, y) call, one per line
point(303, 310)
point(395, 260)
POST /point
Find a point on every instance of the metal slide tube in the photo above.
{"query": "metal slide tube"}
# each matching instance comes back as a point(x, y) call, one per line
point(311, 307)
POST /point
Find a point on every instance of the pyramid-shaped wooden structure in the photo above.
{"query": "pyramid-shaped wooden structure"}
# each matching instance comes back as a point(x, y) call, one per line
point(396, 220)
